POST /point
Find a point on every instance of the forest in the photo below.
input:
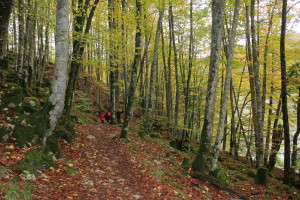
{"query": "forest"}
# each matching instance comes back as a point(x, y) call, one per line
point(209, 91)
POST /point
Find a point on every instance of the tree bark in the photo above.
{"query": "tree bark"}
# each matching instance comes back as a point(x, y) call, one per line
point(223, 109)
point(200, 162)
point(187, 91)
point(21, 26)
point(295, 142)
point(61, 65)
point(136, 63)
point(258, 123)
point(154, 64)
point(78, 47)
point(172, 42)
point(285, 115)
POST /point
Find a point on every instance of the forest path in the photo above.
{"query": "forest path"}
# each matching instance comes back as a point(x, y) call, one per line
point(98, 166)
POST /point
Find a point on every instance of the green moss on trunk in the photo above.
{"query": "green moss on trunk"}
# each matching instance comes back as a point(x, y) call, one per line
point(262, 176)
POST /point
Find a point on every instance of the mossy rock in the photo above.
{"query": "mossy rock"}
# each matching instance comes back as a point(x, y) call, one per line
point(16, 97)
point(34, 127)
point(37, 159)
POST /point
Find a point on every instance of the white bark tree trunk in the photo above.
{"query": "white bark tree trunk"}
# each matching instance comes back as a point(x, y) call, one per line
point(226, 89)
point(59, 83)
point(200, 162)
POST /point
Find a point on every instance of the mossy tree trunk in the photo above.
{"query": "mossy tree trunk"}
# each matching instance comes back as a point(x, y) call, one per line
point(262, 176)
point(200, 162)
point(59, 85)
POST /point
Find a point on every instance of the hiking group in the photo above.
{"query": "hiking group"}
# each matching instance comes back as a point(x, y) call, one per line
point(107, 117)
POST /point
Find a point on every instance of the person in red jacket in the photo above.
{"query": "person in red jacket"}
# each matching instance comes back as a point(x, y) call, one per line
point(102, 118)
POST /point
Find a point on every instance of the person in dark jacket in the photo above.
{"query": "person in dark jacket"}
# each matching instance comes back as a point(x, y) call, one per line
point(118, 116)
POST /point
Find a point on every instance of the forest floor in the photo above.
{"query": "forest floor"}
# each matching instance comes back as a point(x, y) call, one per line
point(98, 165)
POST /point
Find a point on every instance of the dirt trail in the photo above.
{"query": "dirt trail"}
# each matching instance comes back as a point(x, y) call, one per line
point(105, 169)
point(96, 166)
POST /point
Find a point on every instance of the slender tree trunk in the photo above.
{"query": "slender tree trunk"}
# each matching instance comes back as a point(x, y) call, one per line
point(258, 122)
point(154, 64)
point(295, 142)
point(78, 47)
point(187, 91)
point(276, 141)
point(41, 53)
point(21, 23)
point(200, 162)
point(270, 113)
point(223, 109)
point(113, 56)
point(285, 111)
point(172, 39)
point(136, 63)
point(276, 138)
point(61, 65)
point(168, 85)
point(266, 49)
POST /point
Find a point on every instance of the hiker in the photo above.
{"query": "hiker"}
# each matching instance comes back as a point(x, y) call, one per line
point(118, 116)
point(107, 116)
point(102, 118)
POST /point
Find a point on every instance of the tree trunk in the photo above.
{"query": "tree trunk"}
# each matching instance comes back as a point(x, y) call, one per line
point(21, 23)
point(258, 118)
point(270, 113)
point(295, 142)
point(285, 115)
point(168, 85)
point(136, 63)
point(113, 58)
point(223, 109)
point(172, 40)
point(78, 47)
point(154, 64)
point(5, 11)
point(266, 49)
point(200, 162)
point(61, 65)
point(187, 91)
point(276, 141)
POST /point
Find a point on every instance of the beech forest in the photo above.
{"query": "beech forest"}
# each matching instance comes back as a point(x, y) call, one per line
point(139, 99)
